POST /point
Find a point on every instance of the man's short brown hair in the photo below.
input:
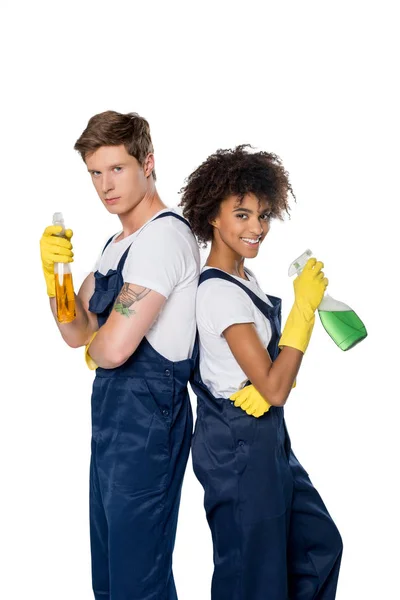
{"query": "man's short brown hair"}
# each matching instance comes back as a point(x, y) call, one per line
point(111, 128)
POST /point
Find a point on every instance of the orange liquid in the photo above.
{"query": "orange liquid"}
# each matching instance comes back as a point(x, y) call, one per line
point(65, 299)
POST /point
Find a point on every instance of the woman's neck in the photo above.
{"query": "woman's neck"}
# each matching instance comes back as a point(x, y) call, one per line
point(226, 261)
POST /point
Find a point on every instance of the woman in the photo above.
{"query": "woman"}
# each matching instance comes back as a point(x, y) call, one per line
point(273, 537)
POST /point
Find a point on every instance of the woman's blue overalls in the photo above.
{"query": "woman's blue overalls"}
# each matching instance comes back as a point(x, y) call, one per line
point(141, 432)
point(273, 537)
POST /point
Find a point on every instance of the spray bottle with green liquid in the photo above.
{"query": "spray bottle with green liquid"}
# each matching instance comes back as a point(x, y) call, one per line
point(339, 320)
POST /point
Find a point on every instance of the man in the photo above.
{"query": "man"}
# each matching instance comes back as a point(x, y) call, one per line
point(136, 316)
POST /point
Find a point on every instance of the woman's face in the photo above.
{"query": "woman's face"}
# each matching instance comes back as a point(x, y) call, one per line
point(242, 226)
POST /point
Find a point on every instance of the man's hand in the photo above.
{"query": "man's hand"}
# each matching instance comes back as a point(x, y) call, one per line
point(54, 249)
point(89, 360)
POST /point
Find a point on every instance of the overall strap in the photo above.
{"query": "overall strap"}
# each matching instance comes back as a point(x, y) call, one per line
point(166, 214)
point(170, 213)
point(265, 308)
point(272, 313)
point(109, 242)
point(123, 257)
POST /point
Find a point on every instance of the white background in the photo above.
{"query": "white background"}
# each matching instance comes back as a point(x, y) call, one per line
point(315, 82)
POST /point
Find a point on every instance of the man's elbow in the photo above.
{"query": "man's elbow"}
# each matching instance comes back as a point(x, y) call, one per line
point(73, 342)
point(75, 339)
point(117, 356)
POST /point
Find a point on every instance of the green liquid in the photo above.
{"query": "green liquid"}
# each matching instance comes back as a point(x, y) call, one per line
point(345, 327)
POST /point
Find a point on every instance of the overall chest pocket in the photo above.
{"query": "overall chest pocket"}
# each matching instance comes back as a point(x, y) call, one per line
point(107, 288)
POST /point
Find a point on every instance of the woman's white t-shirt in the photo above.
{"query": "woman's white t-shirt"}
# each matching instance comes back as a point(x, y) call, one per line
point(164, 256)
point(219, 304)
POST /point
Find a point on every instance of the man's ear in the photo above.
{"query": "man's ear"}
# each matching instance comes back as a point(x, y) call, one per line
point(148, 166)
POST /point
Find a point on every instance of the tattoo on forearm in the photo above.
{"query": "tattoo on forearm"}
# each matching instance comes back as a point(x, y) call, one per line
point(127, 297)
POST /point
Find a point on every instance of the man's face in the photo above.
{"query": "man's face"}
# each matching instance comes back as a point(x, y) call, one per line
point(119, 179)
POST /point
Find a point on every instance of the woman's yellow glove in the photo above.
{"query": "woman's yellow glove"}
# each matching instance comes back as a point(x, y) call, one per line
point(309, 289)
point(54, 249)
point(251, 401)
point(89, 360)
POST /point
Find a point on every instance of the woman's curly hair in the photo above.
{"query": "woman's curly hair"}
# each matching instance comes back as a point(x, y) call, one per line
point(233, 172)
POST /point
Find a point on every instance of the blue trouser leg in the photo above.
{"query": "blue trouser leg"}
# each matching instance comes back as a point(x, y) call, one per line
point(248, 493)
point(272, 535)
point(141, 540)
point(98, 534)
point(250, 551)
point(140, 557)
point(137, 468)
point(293, 556)
point(132, 539)
point(314, 545)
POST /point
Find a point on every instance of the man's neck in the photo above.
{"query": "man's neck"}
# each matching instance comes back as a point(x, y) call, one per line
point(143, 212)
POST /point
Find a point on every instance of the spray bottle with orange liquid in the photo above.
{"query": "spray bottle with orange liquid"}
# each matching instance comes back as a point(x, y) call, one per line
point(65, 298)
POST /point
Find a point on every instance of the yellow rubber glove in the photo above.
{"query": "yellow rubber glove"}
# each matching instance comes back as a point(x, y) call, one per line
point(54, 249)
point(89, 360)
point(251, 401)
point(309, 289)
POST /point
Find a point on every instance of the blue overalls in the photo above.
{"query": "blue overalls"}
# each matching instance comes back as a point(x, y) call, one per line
point(141, 432)
point(272, 535)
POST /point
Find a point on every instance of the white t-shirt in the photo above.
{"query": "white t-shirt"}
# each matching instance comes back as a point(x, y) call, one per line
point(163, 257)
point(220, 304)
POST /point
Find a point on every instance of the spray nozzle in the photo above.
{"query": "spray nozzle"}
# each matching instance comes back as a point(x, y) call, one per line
point(298, 265)
point(58, 219)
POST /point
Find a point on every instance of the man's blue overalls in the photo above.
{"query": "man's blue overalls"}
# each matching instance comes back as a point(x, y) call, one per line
point(273, 537)
point(141, 432)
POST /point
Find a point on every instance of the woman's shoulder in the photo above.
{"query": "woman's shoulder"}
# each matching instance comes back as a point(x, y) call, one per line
point(213, 285)
point(217, 292)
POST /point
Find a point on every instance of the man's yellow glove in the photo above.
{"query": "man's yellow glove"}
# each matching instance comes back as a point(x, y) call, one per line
point(309, 289)
point(89, 360)
point(54, 249)
point(251, 401)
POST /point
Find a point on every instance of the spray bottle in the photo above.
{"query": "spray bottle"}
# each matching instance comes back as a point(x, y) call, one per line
point(65, 298)
point(339, 320)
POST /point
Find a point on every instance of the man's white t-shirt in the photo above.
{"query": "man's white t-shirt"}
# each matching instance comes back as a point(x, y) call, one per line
point(219, 304)
point(164, 257)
